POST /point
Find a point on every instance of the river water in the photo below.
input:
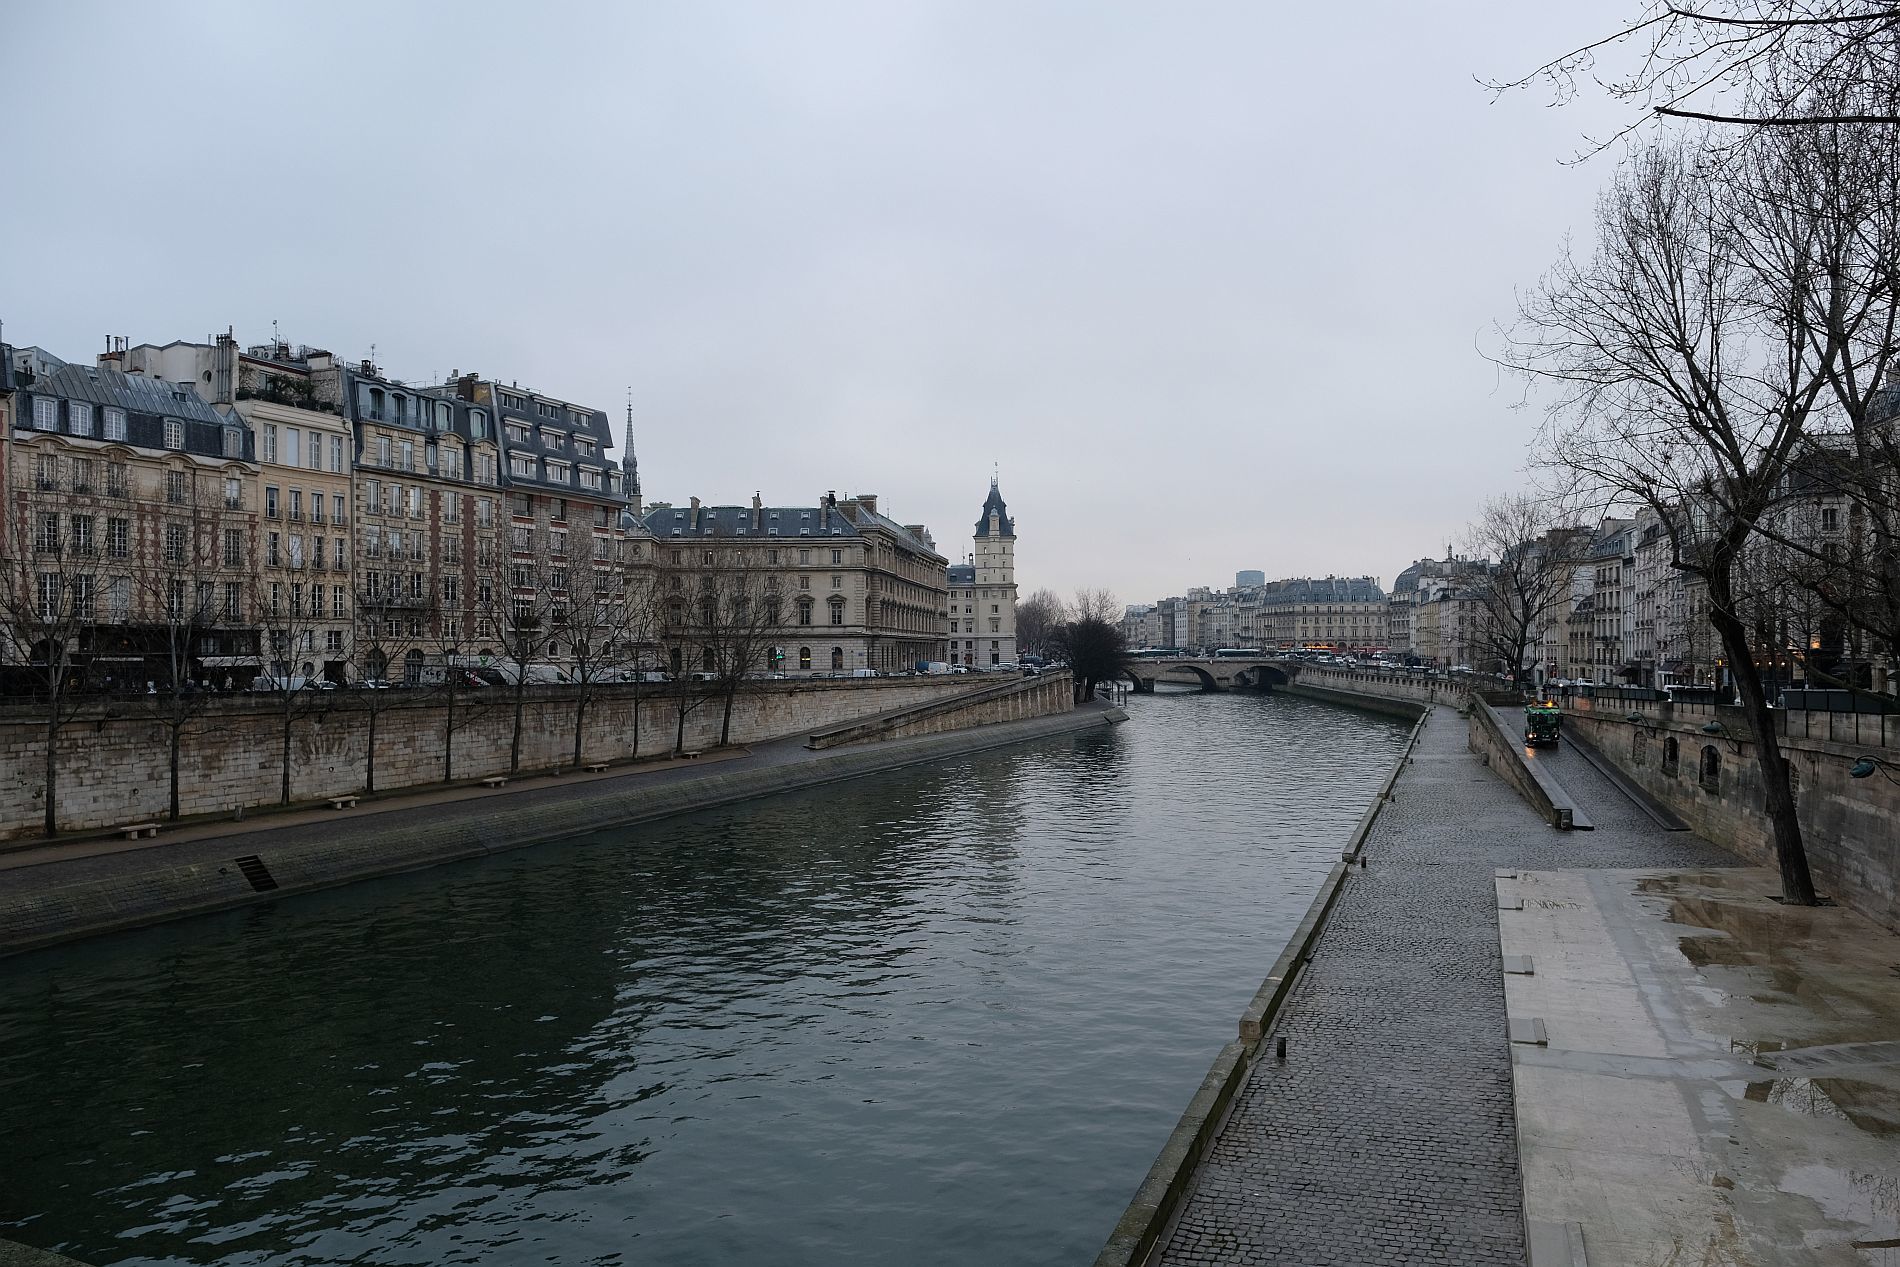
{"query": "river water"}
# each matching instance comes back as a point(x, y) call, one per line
point(938, 1016)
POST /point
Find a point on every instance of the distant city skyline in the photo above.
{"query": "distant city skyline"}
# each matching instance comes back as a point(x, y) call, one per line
point(1104, 254)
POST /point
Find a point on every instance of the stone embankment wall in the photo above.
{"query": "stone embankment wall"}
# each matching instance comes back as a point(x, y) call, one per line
point(1403, 695)
point(1011, 700)
point(113, 760)
point(1851, 826)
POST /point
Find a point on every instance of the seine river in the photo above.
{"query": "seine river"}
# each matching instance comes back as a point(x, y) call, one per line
point(940, 1016)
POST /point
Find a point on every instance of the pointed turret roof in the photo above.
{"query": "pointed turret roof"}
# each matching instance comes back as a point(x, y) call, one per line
point(994, 503)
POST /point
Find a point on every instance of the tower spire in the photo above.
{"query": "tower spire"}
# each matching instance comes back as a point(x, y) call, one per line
point(633, 458)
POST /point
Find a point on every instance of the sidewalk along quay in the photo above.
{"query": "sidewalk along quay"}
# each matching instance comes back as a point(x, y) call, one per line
point(1387, 1133)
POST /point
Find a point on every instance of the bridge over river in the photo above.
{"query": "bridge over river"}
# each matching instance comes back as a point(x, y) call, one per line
point(1224, 673)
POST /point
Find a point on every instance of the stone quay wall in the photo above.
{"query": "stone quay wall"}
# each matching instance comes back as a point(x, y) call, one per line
point(1400, 694)
point(113, 757)
point(1851, 826)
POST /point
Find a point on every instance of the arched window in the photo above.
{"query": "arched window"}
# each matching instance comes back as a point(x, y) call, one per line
point(412, 668)
point(375, 664)
point(804, 657)
point(1672, 756)
point(837, 658)
point(707, 661)
point(477, 424)
point(1710, 775)
point(1639, 747)
point(674, 656)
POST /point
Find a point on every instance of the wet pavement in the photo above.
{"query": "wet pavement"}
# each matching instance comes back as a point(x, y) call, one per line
point(1388, 1133)
point(1702, 1074)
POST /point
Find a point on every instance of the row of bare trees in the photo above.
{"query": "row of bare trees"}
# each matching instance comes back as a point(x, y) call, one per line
point(1721, 352)
point(158, 623)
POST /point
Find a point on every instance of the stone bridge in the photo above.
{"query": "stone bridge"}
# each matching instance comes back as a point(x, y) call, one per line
point(1228, 673)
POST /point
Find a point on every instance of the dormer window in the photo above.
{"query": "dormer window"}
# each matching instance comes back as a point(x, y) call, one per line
point(174, 433)
point(45, 414)
point(79, 417)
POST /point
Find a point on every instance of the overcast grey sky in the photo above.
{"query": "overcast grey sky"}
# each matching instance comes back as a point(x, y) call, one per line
point(1204, 280)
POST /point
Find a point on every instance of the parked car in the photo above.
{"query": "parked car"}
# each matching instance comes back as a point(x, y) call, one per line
point(372, 684)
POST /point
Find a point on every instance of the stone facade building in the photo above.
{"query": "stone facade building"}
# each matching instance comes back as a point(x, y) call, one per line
point(850, 588)
point(982, 594)
point(132, 523)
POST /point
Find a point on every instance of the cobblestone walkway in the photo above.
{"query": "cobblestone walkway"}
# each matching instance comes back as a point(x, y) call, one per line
point(1387, 1135)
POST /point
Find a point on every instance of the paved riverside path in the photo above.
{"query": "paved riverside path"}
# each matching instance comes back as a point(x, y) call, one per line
point(1388, 1134)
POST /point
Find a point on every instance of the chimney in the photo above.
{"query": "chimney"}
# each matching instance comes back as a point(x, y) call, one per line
point(465, 385)
point(692, 520)
point(758, 512)
point(868, 501)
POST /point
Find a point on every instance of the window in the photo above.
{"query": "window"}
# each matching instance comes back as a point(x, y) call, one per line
point(1710, 772)
point(485, 512)
point(118, 537)
point(336, 599)
point(837, 582)
point(590, 478)
point(45, 417)
point(373, 496)
point(382, 450)
point(336, 454)
point(316, 508)
point(407, 453)
point(233, 493)
point(837, 556)
point(1830, 518)
point(1671, 756)
point(837, 658)
point(46, 472)
point(415, 501)
point(270, 442)
point(452, 509)
point(82, 537)
point(521, 466)
point(274, 552)
point(174, 434)
point(233, 442)
point(314, 452)
point(557, 472)
point(521, 539)
point(115, 423)
point(296, 504)
point(270, 502)
point(336, 509)
point(174, 543)
point(233, 547)
point(804, 657)
point(79, 417)
point(175, 487)
point(804, 611)
point(804, 557)
point(837, 611)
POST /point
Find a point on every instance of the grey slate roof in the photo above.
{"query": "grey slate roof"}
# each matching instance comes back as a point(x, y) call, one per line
point(995, 502)
point(1325, 589)
point(963, 574)
point(726, 521)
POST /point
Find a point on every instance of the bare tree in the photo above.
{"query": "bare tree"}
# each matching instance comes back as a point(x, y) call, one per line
point(47, 603)
point(1036, 619)
point(395, 624)
point(1093, 604)
point(182, 600)
point(1781, 63)
point(608, 618)
point(1687, 369)
point(746, 614)
point(1536, 556)
point(287, 614)
point(686, 636)
point(521, 606)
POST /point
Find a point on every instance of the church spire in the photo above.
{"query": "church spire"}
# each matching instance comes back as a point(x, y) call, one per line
point(633, 458)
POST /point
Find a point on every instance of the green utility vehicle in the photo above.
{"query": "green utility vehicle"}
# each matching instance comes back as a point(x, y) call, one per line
point(1540, 725)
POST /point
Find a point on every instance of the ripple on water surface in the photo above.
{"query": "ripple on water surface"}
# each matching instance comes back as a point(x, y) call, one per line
point(937, 1016)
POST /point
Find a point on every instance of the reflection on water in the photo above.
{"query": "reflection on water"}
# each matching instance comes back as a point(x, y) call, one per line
point(937, 1016)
